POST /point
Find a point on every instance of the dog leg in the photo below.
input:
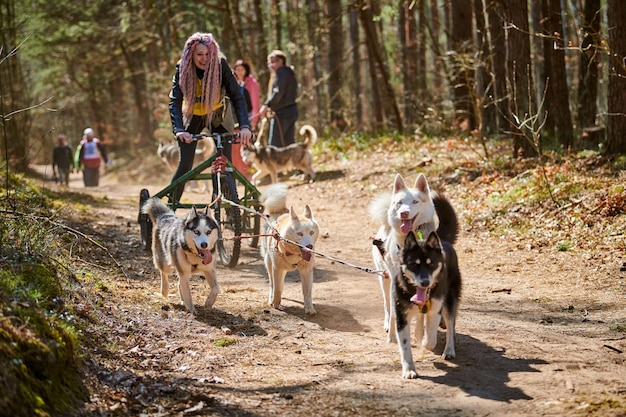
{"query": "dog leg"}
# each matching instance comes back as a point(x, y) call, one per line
point(448, 351)
point(274, 176)
point(433, 317)
point(391, 305)
point(419, 329)
point(165, 285)
point(211, 279)
point(185, 292)
point(306, 275)
point(385, 285)
point(256, 179)
point(406, 356)
point(277, 279)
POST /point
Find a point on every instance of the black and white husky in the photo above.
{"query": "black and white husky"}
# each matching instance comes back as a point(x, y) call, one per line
point(427, 286)
point(185, 246)
point(406, 209)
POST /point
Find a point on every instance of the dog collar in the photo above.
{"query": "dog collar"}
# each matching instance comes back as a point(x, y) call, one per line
point(286, 253)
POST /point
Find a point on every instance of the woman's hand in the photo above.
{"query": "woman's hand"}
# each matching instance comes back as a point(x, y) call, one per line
point(245, 136)
point(184, 137)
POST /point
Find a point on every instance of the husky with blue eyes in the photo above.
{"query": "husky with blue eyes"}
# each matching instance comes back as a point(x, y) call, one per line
point(427, 287)
point(185, 246)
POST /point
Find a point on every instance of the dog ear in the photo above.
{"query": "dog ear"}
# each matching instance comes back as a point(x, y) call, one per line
point(307, 212)
point(398, 183)
point(410, 242)
point(192, 213)
point(294, 216)
point(421, 184)
point(433, 241)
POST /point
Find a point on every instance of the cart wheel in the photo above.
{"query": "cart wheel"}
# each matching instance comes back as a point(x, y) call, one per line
point(144, 222)
point(229, 219)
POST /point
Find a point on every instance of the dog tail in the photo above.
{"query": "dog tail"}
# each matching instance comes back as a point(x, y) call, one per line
point(274, 199)
point(448, 228)
point(310, 135)
point(379, 206)
point(155, 208)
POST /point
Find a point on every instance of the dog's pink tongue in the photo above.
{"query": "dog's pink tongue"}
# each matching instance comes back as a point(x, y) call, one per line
point(206, 256)
point(406, 226)
point(306, 255)
point(420, 296)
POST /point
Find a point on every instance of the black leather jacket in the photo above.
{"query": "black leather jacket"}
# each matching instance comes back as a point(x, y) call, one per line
point(232, 90)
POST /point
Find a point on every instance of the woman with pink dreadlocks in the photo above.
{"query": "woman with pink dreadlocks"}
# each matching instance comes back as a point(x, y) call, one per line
point(196, 99)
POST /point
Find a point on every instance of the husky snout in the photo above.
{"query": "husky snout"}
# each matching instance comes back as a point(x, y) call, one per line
point(306, 254)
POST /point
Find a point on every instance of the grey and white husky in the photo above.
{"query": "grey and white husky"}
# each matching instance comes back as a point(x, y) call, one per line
point(272, 160)
point(427, 285)
point(406, 209)
point(185, 246)
point(170, 154)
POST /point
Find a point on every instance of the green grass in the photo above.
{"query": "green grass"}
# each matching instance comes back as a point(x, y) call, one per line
point(39, 343)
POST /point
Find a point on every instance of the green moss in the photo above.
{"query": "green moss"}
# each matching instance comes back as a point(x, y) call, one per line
point(39, 365)
point(224, 342)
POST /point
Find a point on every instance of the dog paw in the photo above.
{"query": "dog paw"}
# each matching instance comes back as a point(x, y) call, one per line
point(449, 354)
point(310, 311)
point(409, 374)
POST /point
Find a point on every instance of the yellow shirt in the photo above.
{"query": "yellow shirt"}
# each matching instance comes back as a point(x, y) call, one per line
point(198, 108)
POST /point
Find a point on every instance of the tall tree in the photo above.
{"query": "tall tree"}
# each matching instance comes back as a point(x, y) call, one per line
point(407, 33)
point(557, 93)
point(378, 69)
point(485, 110)
point(522, 105)
point(355, 45)
point(421, 82)
point(590, 61)
point(497, 58)
point(616, 106)
point(335, 63)
point(14, 94)
point(461, 47)
point(315, 42)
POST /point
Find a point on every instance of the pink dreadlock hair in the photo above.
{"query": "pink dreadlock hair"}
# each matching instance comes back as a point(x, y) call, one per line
point(211, 82)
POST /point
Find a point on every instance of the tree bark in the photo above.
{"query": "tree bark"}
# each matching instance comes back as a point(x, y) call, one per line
point(356, 70)
point(335, 64)
point(520, 74)
point(590, 61)
point(378, 67)
point(460, 45)
point(497, 56)
point(557, 105)
point(616, 119)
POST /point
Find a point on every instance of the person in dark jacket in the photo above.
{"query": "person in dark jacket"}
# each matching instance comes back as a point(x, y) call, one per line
point(281, 100)
point(197, 102)
point(62, 160)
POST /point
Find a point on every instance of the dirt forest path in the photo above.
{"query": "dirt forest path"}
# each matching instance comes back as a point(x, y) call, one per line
point(533, 331)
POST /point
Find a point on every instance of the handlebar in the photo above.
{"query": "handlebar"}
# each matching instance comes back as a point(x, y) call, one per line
point(234, 136)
